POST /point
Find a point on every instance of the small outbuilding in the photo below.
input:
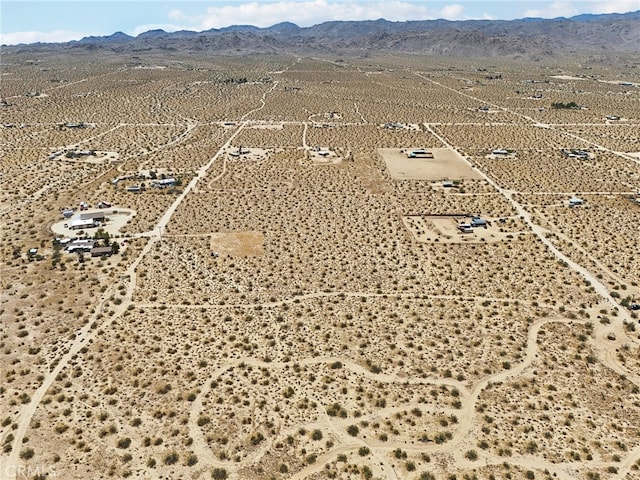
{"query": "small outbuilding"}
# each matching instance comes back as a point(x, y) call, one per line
point(575, 201)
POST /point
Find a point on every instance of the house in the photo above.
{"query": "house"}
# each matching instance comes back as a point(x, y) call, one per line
point(239, 152)
point(79, 224)
point(95, 216)
point(419, 153)
point(165, 182)
point(80, 246)
point(101, 251)
point(500, 151)
point(575, 201)
point(448, 184)
point(575, 153)
point(478, 222)
point(134, 188)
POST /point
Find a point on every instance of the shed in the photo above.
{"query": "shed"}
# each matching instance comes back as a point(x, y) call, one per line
point(574, 201)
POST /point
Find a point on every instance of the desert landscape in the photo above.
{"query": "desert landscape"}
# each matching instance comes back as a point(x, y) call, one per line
point(388, 267)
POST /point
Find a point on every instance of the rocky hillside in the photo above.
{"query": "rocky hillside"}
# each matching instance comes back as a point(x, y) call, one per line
point(529, 38)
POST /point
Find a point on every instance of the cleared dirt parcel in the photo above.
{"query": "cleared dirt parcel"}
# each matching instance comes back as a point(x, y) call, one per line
point(445, 164)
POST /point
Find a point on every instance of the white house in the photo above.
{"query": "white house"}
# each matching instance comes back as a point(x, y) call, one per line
point(80, 223)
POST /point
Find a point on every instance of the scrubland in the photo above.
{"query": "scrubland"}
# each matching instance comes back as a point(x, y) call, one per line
point(273, 315)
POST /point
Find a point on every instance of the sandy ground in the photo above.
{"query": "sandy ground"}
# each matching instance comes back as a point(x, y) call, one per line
point(344, 329)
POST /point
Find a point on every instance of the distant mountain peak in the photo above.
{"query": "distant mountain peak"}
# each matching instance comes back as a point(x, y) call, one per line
point(524, 38)
point(152, 33)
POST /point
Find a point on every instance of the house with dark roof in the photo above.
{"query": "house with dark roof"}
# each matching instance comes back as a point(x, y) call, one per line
point(101, 251)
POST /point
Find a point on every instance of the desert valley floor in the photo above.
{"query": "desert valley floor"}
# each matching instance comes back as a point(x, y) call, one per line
point(391, 267)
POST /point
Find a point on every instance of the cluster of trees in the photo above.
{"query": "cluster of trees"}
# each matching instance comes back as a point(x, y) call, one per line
point(106, 240)
point(570, 105)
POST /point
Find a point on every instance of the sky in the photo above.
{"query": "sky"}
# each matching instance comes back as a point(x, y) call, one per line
point(29, 21)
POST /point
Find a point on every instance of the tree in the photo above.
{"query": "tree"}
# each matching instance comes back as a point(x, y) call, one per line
point(55, 258)
point(115, 247)
point(101, 234)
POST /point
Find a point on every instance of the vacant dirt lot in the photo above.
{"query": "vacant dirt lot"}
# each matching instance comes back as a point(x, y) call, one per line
point(238, 244)
point(446, 164)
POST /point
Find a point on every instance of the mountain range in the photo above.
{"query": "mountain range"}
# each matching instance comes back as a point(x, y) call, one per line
point(526, 38)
